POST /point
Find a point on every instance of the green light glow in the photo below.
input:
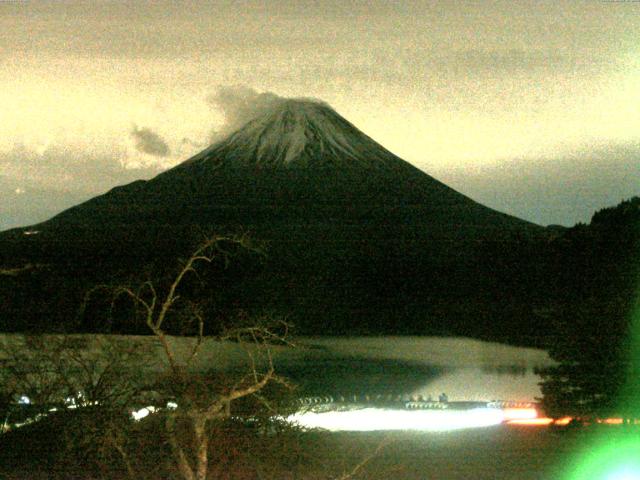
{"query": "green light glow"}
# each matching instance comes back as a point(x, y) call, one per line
point(610, 457)
point(632, 393)
point(624, 474)
point(614, 453)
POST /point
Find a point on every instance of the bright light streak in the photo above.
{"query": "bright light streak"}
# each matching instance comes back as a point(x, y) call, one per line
point(541, 421)
point(520, 413)
point(563, 421)
point(377, 419)
point(612, 421)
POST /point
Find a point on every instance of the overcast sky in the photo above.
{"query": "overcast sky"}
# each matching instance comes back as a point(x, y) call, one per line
point(531, 107)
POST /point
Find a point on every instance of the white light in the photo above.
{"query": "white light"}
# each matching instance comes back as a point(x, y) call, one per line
point(628, 473)
point(143, 412)
point(172, 405)
point(75, 401)
point(376, 419)
point(24, 400)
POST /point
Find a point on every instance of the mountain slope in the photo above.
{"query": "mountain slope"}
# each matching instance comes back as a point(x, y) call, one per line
point(298, 154)
point(359, 240)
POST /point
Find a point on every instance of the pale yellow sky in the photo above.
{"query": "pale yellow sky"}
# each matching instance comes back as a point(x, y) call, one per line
point(93, 94)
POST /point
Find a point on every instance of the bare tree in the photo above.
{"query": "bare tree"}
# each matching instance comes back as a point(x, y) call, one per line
point(359, 467)
point(200, 406)
point(15, 271)
point(205, 405)
point(54, 373)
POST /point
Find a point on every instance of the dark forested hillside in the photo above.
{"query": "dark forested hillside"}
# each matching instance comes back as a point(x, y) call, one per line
point(596, 310)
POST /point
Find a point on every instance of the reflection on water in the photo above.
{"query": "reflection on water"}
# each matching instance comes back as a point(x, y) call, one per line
point(477, 383)
point(512, 370)
point(463, 369)
point(357, 376)
point(348, 376)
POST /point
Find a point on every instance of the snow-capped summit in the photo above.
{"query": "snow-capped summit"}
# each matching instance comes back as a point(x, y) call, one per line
point(297, 133)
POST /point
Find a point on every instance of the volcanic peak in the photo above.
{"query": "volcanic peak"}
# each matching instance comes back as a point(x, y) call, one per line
point(296, 133)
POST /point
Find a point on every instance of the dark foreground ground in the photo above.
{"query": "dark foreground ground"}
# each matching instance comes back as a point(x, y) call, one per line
point(501, 452)
point(518, 453)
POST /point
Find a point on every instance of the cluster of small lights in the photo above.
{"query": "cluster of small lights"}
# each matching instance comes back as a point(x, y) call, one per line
point(77, 401)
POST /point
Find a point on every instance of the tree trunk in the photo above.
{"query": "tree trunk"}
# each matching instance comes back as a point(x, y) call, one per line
point(202, 446)
point(125, 458)
point(179, 455)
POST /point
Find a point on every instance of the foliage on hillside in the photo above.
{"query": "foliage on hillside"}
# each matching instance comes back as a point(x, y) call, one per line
point(598, 317)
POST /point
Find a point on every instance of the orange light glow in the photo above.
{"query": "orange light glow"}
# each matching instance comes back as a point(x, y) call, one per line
point(540, 421)
point(611, 421)
point(563, 421)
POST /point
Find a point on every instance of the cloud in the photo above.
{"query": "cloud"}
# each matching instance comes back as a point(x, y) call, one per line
point(563, 190)
point(66, 168)
point(149, 142)
point(34, 186)
point(239, 104)
point(33, 205)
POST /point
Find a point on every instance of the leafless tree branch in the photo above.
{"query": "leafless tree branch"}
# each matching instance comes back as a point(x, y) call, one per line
point(358, 468)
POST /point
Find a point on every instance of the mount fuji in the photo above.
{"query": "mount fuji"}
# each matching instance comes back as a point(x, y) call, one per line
point(359, 241)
